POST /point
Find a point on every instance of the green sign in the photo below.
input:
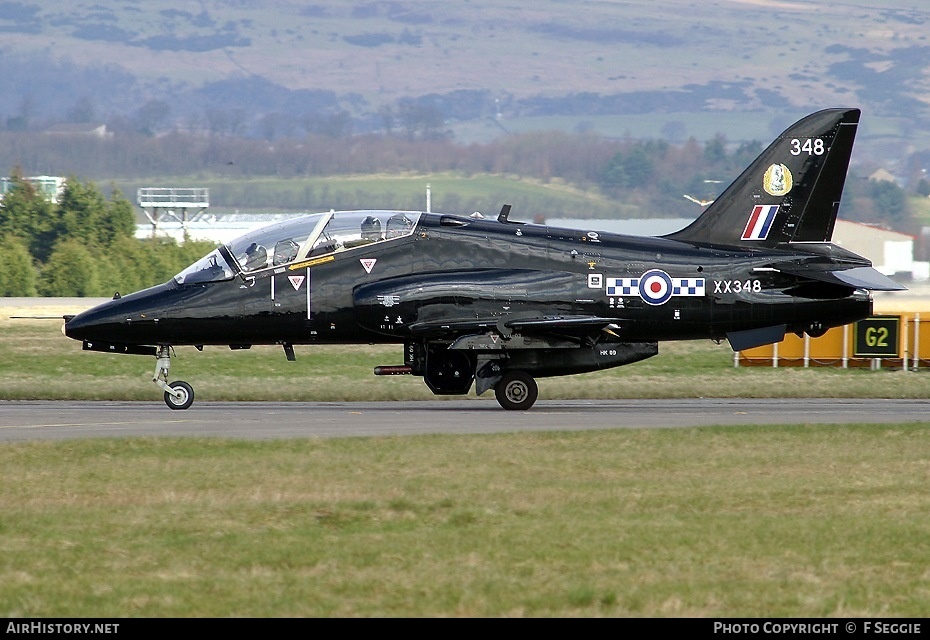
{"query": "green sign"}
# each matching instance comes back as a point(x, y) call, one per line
point(877, 337)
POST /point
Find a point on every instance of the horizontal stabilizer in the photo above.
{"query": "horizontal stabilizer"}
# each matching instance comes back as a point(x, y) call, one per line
point(857, 277)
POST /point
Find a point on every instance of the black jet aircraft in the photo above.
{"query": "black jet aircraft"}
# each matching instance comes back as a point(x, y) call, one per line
point(496, 303)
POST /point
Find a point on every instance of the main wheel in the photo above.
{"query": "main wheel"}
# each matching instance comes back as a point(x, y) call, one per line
point(516, 391)
point(186, 398)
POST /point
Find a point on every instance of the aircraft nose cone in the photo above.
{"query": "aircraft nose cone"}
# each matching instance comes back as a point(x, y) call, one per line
point(131, 319)
point(83, 326)
point(67, 319)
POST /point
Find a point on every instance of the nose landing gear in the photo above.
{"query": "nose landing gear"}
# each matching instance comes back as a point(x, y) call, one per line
point(178, 395)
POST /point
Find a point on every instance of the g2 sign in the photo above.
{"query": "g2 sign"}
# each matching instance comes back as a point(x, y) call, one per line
point(877, 337)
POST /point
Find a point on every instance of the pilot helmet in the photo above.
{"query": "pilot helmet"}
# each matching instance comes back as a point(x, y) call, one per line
point(371, 228)
point(398, 225)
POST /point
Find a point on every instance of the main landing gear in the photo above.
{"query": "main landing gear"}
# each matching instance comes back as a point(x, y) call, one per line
point(178, 394)
point(516, 391)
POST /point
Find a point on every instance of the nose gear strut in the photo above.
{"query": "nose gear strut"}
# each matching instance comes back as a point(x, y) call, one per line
point(178, 394)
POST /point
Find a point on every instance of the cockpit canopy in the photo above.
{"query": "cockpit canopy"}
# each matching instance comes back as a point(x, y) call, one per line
point(309, 236)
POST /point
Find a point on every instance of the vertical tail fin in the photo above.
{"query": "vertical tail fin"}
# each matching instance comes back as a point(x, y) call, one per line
point(790, 193)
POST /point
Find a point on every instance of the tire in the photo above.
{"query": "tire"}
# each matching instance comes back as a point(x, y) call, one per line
point(516, 391)
point(186, 399)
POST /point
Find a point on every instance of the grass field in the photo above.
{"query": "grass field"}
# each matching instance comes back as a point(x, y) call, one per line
point(774, 521)
point(39, 363)
point(450, 192)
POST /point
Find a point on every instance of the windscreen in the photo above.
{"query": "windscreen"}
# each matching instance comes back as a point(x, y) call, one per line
point(210, 268)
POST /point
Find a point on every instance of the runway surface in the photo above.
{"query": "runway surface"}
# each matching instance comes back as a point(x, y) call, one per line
point(23, 421)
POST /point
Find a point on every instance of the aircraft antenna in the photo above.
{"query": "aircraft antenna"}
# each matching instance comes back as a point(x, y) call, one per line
point(427, 198)
point(505, 211)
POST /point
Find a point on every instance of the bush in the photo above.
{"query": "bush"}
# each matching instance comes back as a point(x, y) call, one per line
point(17, 272)
point(71, 270)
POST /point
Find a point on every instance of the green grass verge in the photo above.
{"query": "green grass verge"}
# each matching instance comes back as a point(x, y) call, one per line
point(774, 521)
point(41, 364)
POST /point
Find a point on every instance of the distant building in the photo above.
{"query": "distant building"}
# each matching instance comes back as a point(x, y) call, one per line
point(891, 252)
point(881, 175)
point(49, 186)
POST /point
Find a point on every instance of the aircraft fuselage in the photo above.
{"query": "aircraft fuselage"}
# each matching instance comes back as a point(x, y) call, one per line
point(460, 271)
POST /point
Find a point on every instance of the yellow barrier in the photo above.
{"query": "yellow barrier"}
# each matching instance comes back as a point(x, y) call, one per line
point(887, 340)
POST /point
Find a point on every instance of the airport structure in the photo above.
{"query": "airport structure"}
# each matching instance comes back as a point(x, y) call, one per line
point(178, 204)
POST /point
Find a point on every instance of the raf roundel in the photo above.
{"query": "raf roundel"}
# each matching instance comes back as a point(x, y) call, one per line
point(655, 287)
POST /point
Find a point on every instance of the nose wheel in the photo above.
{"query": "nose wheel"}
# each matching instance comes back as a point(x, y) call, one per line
point(178, 395)
point(181, 395)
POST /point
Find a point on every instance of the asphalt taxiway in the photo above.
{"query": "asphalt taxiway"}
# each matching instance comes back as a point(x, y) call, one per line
point(24, 421)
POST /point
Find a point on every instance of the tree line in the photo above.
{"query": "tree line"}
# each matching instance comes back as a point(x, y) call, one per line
point(648, 176)
point(82, 245)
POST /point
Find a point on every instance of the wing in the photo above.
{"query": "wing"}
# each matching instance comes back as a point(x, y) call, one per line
point(479, 301)
point(563, 325)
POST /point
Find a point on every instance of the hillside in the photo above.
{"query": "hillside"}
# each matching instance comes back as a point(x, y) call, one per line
point(481, 67)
